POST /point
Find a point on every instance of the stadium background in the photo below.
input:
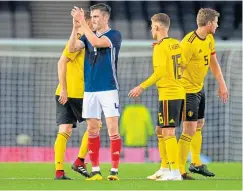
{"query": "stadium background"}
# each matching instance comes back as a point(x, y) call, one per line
point(32, 36)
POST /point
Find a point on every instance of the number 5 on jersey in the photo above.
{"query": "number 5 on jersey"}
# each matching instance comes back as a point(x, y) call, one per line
point(206, 60)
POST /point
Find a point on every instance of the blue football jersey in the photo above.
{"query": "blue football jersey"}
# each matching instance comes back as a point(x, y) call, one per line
point(100, 64)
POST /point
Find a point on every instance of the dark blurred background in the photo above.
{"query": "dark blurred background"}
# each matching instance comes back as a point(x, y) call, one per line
point(132, 18)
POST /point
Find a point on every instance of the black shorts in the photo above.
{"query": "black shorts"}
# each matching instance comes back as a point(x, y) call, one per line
point(195, 106)
point(170, 113)
point(69, 113)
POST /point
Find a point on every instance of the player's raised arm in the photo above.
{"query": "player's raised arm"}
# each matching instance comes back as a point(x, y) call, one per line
point(74, 44)
point(96, 16)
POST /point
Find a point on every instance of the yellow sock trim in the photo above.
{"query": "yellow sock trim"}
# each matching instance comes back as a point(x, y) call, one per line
point(183, 148)
point(196, 145)
point(172, 151)
point(60, 148)
point(84, 146)
point(162, 152)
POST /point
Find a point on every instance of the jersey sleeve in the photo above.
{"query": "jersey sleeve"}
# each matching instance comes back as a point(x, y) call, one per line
point(186, 51)
point(70, 55)
point(115, 39)
point(212, 46)
point(83, 40)
point(159, 66)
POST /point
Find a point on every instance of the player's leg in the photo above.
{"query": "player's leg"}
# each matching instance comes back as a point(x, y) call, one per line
point(171, 112)
point(189, 128)
point(65, 120)
point(92, 114)
point(110, 105)
point(115, 146)
point(63, 135)
point(79, 164)
point(83, 151)
point(196, 143)
point(164, 165)
point(197, 138)
point(196, 166)
point(93, 128)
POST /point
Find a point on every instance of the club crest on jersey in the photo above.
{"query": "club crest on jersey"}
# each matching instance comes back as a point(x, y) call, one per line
point(190, 113)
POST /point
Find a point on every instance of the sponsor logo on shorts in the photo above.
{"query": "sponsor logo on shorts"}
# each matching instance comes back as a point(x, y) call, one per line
point(172, 121)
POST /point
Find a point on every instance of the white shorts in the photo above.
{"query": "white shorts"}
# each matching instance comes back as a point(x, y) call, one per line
point(95, 102)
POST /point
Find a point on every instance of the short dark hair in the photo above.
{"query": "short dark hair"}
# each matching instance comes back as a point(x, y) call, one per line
point(87, 15)
point(102, 7)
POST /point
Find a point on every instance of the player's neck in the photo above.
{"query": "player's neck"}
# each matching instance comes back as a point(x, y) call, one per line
point(202, 32)
point(104, 29)
point(161, 36)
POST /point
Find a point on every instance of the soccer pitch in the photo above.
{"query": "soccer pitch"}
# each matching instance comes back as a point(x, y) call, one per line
point(39, 176)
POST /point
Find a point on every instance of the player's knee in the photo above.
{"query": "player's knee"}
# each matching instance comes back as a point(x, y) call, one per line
point(112, 125)
point(200, 123)
point(93, 126)
point(113, 130)
point(158, 131)
point(92, 129)
point(189, 127)
point(66, 128)
point(168, 132)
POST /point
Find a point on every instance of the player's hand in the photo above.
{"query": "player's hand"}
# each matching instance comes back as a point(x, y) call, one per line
point(76, 24)
point(135, 92)
point(63, 98)
point(223, 92)
point(77, 13)
point(154, 43)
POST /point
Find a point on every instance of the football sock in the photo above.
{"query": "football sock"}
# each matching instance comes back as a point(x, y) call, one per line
point(94, 147)
point(60, 148)
point(84, 146)
point(115, 147)
point(196, 147)
point(172, 151)
point(162, 152)
point(183, 148)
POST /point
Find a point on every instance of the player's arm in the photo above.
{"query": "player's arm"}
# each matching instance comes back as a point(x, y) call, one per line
point(159, 65)
point(75, 44)
point(216, 70)
point(78, 15)
point(62, 70)
point(92, 38)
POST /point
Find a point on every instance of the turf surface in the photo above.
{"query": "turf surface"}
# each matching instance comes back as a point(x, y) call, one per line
point(39, 176)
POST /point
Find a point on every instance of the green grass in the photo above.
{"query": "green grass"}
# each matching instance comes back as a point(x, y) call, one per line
point(39, 176)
